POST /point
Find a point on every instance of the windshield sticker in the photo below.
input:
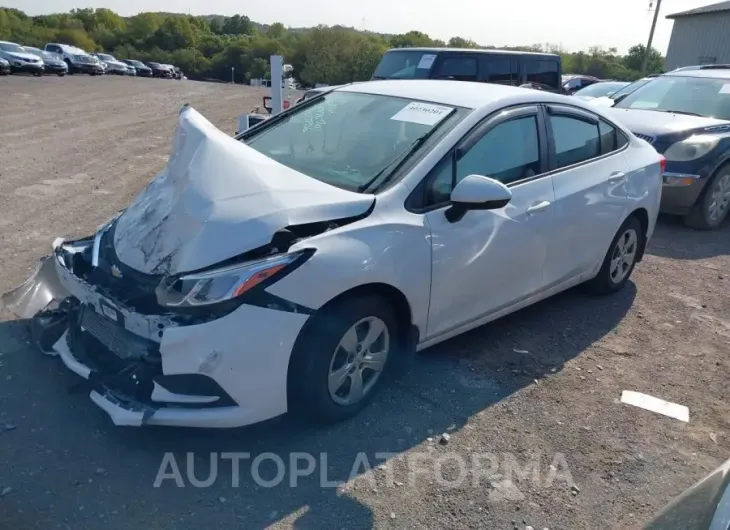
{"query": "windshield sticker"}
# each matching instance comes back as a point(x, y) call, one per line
point(426, 61)
point(423, 113)
point(725, 89)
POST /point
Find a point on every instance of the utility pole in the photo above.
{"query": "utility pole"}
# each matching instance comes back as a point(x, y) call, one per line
point(651, 37)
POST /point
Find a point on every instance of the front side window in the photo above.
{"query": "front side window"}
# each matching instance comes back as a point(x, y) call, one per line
point(509, 152)
point(405, 64)
point(698, 96)
point(351, 140)
point(576, 140)
point(458, 67)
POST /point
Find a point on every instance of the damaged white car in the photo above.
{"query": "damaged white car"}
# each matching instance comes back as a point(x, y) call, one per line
point(296, 267)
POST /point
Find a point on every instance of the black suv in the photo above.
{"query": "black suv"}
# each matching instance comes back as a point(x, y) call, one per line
point(536, 70)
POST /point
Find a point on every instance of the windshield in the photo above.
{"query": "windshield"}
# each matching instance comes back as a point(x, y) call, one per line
point(405, 65)
point(12, 47)
point(598, 90)
point(350, 139)
point(628, 89)
point(701, 96)
point(136, 63)
point(105, 57)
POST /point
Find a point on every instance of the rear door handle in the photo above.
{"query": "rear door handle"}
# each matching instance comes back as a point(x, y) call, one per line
point(539, 207)
point(616, 176)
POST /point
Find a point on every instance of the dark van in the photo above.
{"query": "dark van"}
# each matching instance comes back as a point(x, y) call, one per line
point(539, 70)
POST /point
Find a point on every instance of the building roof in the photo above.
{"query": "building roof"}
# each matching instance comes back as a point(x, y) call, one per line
point(712, 8)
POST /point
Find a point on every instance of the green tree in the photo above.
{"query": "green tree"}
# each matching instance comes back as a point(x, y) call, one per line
point(635, 58)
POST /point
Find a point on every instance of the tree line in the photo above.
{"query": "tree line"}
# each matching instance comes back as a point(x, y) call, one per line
point(207, 47)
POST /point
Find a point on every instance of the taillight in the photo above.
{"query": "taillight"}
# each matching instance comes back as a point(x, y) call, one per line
point(663, 164)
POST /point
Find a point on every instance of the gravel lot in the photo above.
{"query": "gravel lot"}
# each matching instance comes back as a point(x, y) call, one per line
point(541, 382)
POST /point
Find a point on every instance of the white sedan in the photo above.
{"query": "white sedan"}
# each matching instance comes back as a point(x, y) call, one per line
point(298, 266)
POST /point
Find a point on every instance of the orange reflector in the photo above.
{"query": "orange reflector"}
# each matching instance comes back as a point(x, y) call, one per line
point(256, 279)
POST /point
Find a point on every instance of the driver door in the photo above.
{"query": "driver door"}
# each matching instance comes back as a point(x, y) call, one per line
point(490, 260)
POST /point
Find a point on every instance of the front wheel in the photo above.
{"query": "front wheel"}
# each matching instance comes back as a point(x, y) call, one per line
point(713, 205)
point(342, 357)
point(620, 259)
point(61, 74)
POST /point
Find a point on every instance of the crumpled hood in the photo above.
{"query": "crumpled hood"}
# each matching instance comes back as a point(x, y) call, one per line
point(217, 198)
point(657, 123)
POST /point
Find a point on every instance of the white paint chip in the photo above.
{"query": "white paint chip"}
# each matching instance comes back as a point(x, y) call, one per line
point(724, 89)
point(645, 401)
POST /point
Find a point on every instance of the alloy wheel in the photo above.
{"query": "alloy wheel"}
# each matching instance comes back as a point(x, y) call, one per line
point(719, 199)
point(623, 255)
point(358, 361)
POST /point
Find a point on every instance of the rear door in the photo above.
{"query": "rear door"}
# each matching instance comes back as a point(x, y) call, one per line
point(459, 66)
point(589, 167)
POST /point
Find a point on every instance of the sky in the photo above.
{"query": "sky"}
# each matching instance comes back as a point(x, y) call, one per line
point(573, 24)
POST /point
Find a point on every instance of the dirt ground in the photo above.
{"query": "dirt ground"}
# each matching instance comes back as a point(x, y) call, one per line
point(539, 387)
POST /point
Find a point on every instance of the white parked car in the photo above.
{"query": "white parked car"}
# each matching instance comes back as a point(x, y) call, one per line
point(298, 266)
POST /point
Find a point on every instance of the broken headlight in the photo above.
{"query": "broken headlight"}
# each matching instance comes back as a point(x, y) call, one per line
point(227, 283)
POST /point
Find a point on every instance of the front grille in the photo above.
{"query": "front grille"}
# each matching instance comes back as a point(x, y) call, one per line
point(133, 288)
point(649, 138)
point(123, 343)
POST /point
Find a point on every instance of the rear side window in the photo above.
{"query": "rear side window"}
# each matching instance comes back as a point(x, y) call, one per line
point(458, 67)
point(501, 70)
point(611, 138)
point(543, 72)
point(575, 140)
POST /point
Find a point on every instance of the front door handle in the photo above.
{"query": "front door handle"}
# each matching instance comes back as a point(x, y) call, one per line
point(616, 176)
point(539, 207)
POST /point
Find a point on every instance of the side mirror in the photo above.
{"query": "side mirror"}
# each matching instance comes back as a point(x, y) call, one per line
point(476, 192)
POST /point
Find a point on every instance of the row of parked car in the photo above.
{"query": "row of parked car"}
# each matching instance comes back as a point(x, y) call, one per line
point(62, 59)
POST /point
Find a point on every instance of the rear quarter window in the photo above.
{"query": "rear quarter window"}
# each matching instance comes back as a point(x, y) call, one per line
point(543, 71)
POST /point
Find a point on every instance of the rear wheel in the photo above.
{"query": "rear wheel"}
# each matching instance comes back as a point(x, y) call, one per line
point(620, 259)
point(713, 205)
point(70, 68)
point(341, 359)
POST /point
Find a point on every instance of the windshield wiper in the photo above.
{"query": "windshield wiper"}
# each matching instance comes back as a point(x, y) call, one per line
point(408, 150)
point(378, 77)
point(681, 112)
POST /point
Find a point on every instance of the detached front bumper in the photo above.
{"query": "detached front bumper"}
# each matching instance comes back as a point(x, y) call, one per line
point(150, 370)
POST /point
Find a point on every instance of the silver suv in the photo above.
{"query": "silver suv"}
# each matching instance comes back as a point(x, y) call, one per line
point(77, 60)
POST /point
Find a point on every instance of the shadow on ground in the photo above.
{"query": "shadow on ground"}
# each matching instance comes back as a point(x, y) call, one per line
point(672, 239)
point(447, 385)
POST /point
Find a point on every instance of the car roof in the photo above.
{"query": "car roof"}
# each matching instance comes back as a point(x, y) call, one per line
point(709, 73)
point(8, 42)
point(472, 50)
point(454, 93)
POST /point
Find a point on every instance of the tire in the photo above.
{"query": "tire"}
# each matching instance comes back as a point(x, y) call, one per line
point(37, 74)
point(614, 274)
point(70, 68)
point(713, 205)
point(61, 74)
point(318, 354)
